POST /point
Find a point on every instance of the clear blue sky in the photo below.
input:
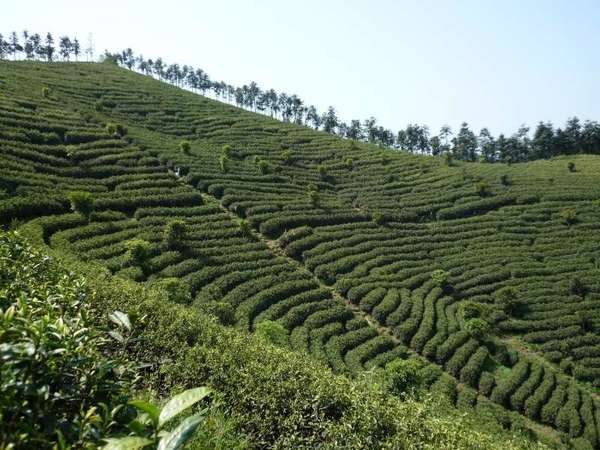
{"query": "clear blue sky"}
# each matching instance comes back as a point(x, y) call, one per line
point(491, 63)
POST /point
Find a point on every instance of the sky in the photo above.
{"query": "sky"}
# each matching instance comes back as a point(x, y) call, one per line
point(494, 64)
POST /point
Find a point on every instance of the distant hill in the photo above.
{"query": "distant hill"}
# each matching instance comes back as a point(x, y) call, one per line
point(487, 274)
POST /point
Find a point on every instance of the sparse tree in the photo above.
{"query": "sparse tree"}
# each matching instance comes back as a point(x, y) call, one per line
point(28, 46)
point(174, 234)
point(313, 117)
point(49, 47)
point(329, 120)
point(4, 47)
point(65, 47)
point(82, 203)
point(14, 46)
point(76, 48)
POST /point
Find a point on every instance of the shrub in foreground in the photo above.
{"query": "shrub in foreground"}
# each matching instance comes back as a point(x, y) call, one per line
point(55, 382)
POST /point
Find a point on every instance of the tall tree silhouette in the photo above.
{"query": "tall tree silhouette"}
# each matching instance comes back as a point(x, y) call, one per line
point(3, 47)
point(65, 47)
point(330, 120)
point(14, 46)
point(49, 47)
point(76, 48)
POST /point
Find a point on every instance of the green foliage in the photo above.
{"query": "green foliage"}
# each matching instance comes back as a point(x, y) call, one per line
point(227, 151)
point(263, 166)
point(577, 287)
point(149, 424)
point(287, 157)
point(82, 203)
point(379, 218)
point(46, 91)
point(176, 290)
point(245, 227)
point(223, 311)
point(568, 216)
point(404, 377)
point(138, 252)
point(273, 333)
point(477, 328)
point(571, 166)
point(448, 159)
point(471, 310)
point(185, 147)
point(115, 129)
point(440, 277)
point(506, 299)
point(482, 188)
point(55, 382)
point(224, 163)
point(323, 172)
point(174, 234)
point(314, 198)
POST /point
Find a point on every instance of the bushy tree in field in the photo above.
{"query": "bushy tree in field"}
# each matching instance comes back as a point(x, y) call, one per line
point(403, 377)
point(174, 234)
point(568, 216)
point(440, 277)
point(263, 166)
point(177, 290)
point(273, 332)
point(82, 203)
point(506, 299)
point(379, 218)
point(577, 287)
point(138, 253)
point(245, 227)
point(471, 310)
point(477, 328)
point(314, 197)
point(323, 174)
point(115, 129)
point(287, 157)
point(185, 147)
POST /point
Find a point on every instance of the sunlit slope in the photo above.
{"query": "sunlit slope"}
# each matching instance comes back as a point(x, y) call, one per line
point(346, 236)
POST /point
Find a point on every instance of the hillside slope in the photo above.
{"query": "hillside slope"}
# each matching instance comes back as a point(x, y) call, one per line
point(363, 254)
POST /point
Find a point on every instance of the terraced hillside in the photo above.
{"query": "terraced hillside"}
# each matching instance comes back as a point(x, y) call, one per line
point(487, 272)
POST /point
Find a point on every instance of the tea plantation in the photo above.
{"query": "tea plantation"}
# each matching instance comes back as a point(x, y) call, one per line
point(486, 274)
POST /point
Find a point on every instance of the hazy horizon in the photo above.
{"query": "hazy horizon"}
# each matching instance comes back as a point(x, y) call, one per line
point(430, 63)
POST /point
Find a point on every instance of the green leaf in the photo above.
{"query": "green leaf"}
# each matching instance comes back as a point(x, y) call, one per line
point(121, 319)
point(126, 443)
point(180, 402)
point(179, 436)
point(149, 408)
